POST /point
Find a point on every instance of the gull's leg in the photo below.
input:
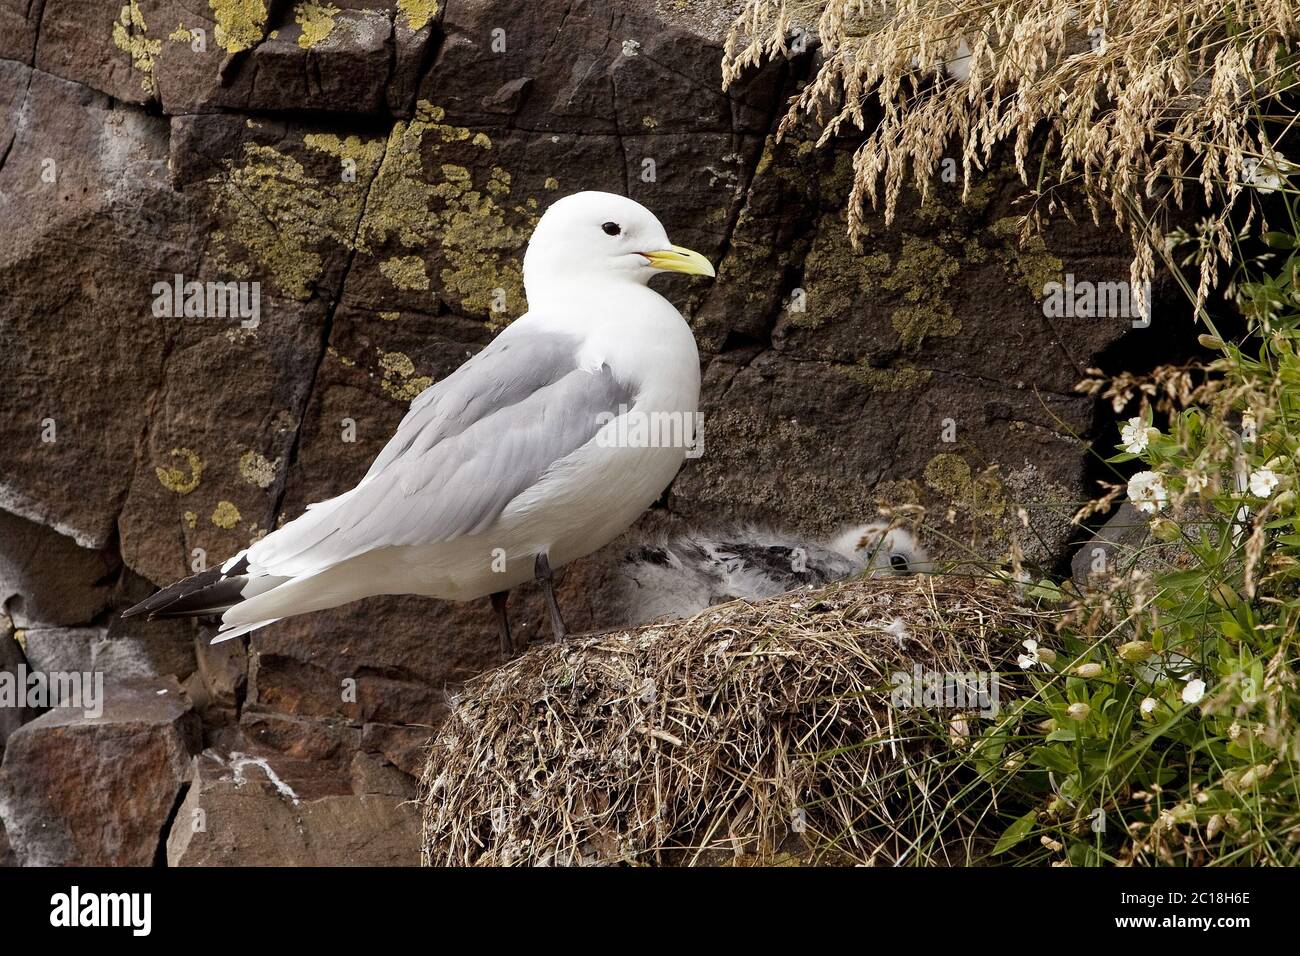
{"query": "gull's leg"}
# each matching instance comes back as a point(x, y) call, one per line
point(543, 571)
point(503, 621)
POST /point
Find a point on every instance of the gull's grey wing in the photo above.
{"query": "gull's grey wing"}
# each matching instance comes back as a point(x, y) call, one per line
point(468, 446)
point(507, 371)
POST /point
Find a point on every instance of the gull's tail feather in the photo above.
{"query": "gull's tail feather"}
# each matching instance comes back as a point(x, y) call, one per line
point(240, 631)
point(206, 594)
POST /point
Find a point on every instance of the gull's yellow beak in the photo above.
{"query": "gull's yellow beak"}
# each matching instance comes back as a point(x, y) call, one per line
point(677, 259)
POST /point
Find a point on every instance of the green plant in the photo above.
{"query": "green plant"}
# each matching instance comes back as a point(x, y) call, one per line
point(1167, 729)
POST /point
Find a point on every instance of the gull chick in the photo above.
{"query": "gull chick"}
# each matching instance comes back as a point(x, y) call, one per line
point(692, 572)
point(515, 464)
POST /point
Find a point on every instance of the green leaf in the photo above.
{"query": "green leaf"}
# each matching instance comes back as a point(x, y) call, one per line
point(1016, 832)
point(1054, 759)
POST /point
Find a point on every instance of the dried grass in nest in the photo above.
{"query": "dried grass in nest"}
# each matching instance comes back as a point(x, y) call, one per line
point(749, 729)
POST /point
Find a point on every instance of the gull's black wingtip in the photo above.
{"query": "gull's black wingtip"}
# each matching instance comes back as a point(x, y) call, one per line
point(137, 610)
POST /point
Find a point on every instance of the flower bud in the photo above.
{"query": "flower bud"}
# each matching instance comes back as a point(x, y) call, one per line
point(1166, 530)
point(1046, 656)
point(1210, 341)
point(1254, 775)
point(1135, 651)
point(1088, 671)
point(1079, 711)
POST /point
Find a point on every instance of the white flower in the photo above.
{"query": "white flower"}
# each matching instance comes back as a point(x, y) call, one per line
point(1263, 481)
point(1197, 482)
point(1266, 173)
point(1030, 657)
point(1147, 491)
point(1193, 691)
point(1136, 435)
point(1148, 705)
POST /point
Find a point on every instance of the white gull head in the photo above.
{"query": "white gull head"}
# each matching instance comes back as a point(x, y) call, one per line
point(595, 236)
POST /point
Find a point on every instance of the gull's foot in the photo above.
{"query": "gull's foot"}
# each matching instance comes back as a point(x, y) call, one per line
point(503, 624)
point(542, 570)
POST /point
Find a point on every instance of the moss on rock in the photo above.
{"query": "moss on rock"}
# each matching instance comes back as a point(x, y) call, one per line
point(922, 275)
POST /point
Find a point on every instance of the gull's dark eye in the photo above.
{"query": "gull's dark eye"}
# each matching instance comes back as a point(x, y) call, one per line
point(898, 562)
point(612, 228)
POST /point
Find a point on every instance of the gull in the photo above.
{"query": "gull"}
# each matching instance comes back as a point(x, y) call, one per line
point(532, 454)
point(679, 578)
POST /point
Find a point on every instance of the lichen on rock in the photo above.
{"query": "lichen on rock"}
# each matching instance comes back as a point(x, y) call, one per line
point(279, 214)
point(980, 497)
point(477, 235)
point(182, 481)
point(225, 515)
point(418, 12)
point(239, 23)
point(400, 380)
point(901, 378)
point(130, 35)
point(405, 272)
point(257, 469)
point(1030, 261)
point(316, 20)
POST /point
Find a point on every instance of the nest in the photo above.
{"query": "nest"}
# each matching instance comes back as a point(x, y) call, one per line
point(759, 732)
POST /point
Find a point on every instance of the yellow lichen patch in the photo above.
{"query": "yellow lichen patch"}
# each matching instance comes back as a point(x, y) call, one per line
point(181, 34)
point(551, 183)
point(406, 272)
point(182, 480)
point(239, 23)
point(498, 183)
point(895, 493)
point(366, 153)
point(400, 380)
point(649, 122)
point(316, 20)
point(390, 316)
point(478, 238)
point(225, 515)
point(257, 469)
point(279, 214)
point(400, 198)
point(418, 12)
point(130, 35)
point(191, 519)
